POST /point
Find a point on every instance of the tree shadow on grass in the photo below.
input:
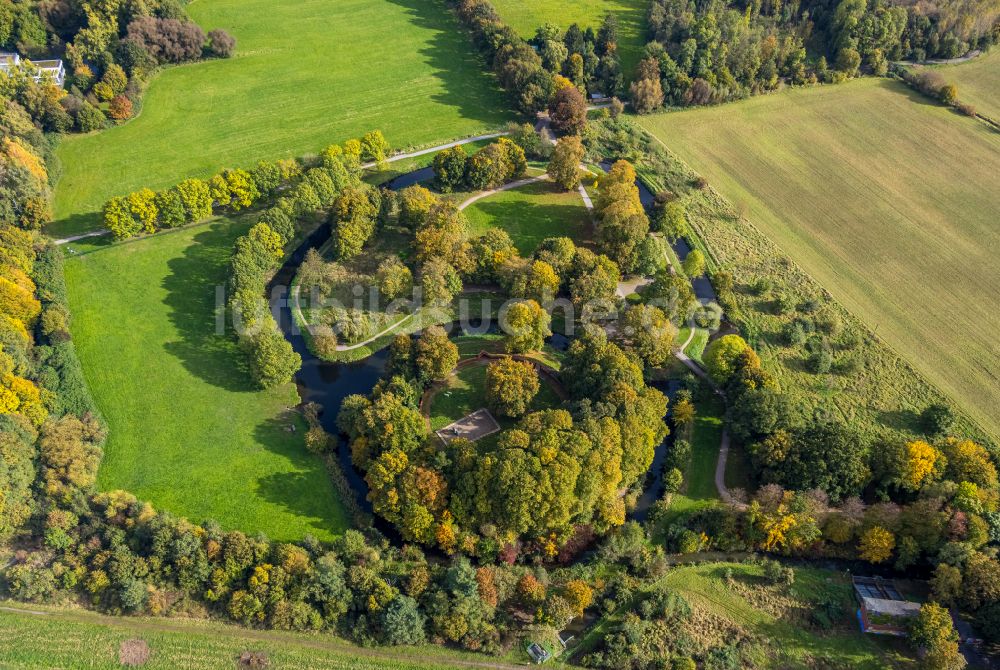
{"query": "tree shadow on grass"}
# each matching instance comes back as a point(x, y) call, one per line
point(192, 286)
point(632, 20)
point(467, 85)
point(296, 492)
point(901, 419)
point(75, 224)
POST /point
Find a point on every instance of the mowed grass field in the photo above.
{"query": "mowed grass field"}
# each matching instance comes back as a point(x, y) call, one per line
point(307, 73)
point(978, 82)
point(187, 430)
point(75, 639)
point(532, 213)
point(527, 15)
point(889, 201)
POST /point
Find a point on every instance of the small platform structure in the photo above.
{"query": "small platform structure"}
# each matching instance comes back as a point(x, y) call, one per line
point(538, 653)
point(472, 427)
point(883, 610)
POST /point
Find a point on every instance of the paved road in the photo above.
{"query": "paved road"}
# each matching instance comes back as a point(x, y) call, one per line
point(944, 61)
point(74, 238)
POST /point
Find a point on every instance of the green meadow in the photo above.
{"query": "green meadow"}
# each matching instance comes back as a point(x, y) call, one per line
point(187, 430)
point(532, 213)
point(306, 74)
point(34, 637)
point(978, 82)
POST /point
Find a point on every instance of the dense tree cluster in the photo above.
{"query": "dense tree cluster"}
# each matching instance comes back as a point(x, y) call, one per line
point(622, 222)
point(652, 634)
point(814, 471)
point(511, 385)
point(126, 558)
point(331, 187)
point(553, 472)
point(109, 48)
point(490, 167)
point(588, 60)
point(42, 390)
point(24, 179)
point(717, 51)
point(518, 67)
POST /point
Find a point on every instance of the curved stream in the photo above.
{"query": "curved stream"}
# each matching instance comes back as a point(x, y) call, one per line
point(327, 383)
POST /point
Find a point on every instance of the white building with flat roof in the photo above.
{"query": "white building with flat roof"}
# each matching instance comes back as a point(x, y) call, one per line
point(43, 68)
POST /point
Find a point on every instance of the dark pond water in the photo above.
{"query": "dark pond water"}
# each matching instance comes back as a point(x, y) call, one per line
point(324, 382)
point(702, 286)
point(410, 178)
point(653, 489)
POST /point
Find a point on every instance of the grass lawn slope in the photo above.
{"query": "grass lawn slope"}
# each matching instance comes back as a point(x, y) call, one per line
point(54, 638)
point(525, 16)
point(978, 82)
point(187, 430)
point(532, 213)
point(888, 200)
point(306, 73)
point(776, 622)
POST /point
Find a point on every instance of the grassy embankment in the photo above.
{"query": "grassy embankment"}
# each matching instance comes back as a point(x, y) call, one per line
point(57, 638)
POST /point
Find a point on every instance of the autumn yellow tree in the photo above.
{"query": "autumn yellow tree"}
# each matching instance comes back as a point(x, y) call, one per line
point(969, 462)
point(920, 462)
point(564, 167)
point(526, 325)
point(143, 208)
point(579, 595)
point(876, 545)
point(934, 633)
point(511, 385)
point(684, 413)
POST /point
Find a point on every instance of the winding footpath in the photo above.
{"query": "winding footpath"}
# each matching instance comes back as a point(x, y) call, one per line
point(505, 187)
point(301, 318)
point(720, 465)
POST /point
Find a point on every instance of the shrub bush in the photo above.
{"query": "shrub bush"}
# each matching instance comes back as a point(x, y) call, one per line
point(221, 44)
